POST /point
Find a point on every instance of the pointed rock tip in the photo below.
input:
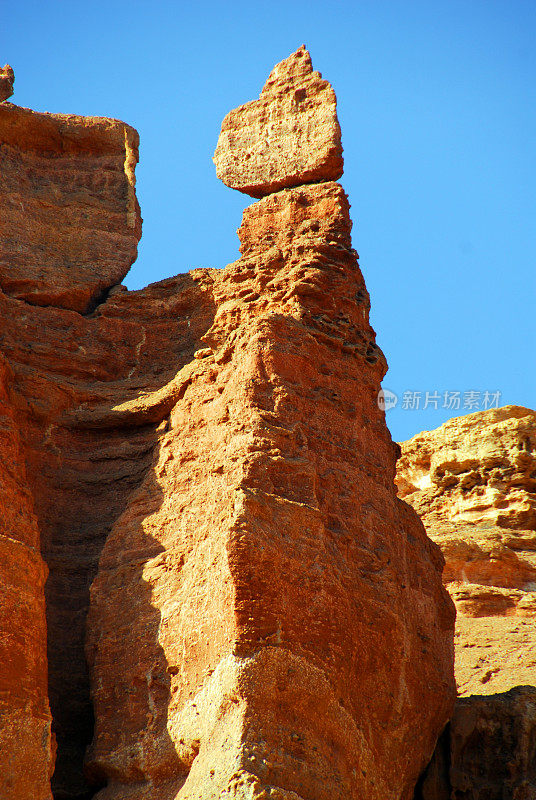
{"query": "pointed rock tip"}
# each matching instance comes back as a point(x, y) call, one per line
point(291, 70)
point(288, 137)
point(7, 79)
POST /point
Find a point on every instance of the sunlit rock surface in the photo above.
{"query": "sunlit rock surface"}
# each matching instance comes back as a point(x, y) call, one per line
point(289, 136)
point(473, 482)
point(69, 219)
point(237, 603)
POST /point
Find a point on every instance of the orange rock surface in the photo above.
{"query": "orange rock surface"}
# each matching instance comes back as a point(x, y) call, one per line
point(473, 482)
point(238, 605)
point(290, 603)
point(26, 747)
point(289, 136)
point(69, 219)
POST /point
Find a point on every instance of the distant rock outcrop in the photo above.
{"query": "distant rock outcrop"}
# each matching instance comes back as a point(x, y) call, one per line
point(473, 482)
point(238, 605)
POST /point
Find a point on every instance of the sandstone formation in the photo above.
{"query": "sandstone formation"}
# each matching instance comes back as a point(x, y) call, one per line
point(289, 136)
point(26, 748)
point(487, 751)
point(69, 219)
point(476, 469)
point(206, 472)
point(473, 482)
point(7, 78)
point(276, 646)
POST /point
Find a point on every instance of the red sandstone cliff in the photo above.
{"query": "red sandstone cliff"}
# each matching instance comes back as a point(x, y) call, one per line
point(237, 604)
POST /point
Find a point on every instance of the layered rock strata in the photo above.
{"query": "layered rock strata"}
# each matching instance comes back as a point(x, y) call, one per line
point(69, 219)
point(205, 468)
point(473, 482)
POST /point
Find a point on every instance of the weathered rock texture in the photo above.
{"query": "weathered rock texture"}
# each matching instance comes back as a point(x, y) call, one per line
point(289, 136)
point(7, 78)
point(488, 750)
point(473, 482)
point(266, 618)
point(291, 603)
point(26, 748)
point(69, 219)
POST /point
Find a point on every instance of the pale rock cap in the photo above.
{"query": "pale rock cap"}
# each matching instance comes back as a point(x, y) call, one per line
point(288, 137)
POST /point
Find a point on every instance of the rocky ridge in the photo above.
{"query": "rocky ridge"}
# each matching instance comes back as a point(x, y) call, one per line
point(237, 603)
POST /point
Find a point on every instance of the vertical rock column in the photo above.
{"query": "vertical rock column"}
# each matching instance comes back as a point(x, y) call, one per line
point(268, 620)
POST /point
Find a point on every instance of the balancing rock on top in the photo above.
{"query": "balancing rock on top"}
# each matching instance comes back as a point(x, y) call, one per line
point(288, 137)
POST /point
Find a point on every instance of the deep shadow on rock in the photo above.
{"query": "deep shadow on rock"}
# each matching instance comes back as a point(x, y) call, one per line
point(488, 750)
point(82, 464)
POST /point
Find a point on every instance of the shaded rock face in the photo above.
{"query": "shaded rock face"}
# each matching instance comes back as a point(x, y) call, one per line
point(237, 603)
point(473, 482)
point(26, 747)
point(488, 750)
point(289, 136)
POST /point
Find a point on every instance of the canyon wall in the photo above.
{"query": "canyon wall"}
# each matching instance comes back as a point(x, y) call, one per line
point(473, 482)
point(237, 603)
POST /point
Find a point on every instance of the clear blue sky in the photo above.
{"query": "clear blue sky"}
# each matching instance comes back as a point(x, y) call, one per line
point(437, 108)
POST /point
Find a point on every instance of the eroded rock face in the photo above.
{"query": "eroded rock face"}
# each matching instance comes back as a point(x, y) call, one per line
point(473, 483)
point(69, 219)
point(26, 747)
point(79, 471)
point(476, 469)
point(275, 645)
point(209, 478)
point(487, 751)
point(289, 136)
